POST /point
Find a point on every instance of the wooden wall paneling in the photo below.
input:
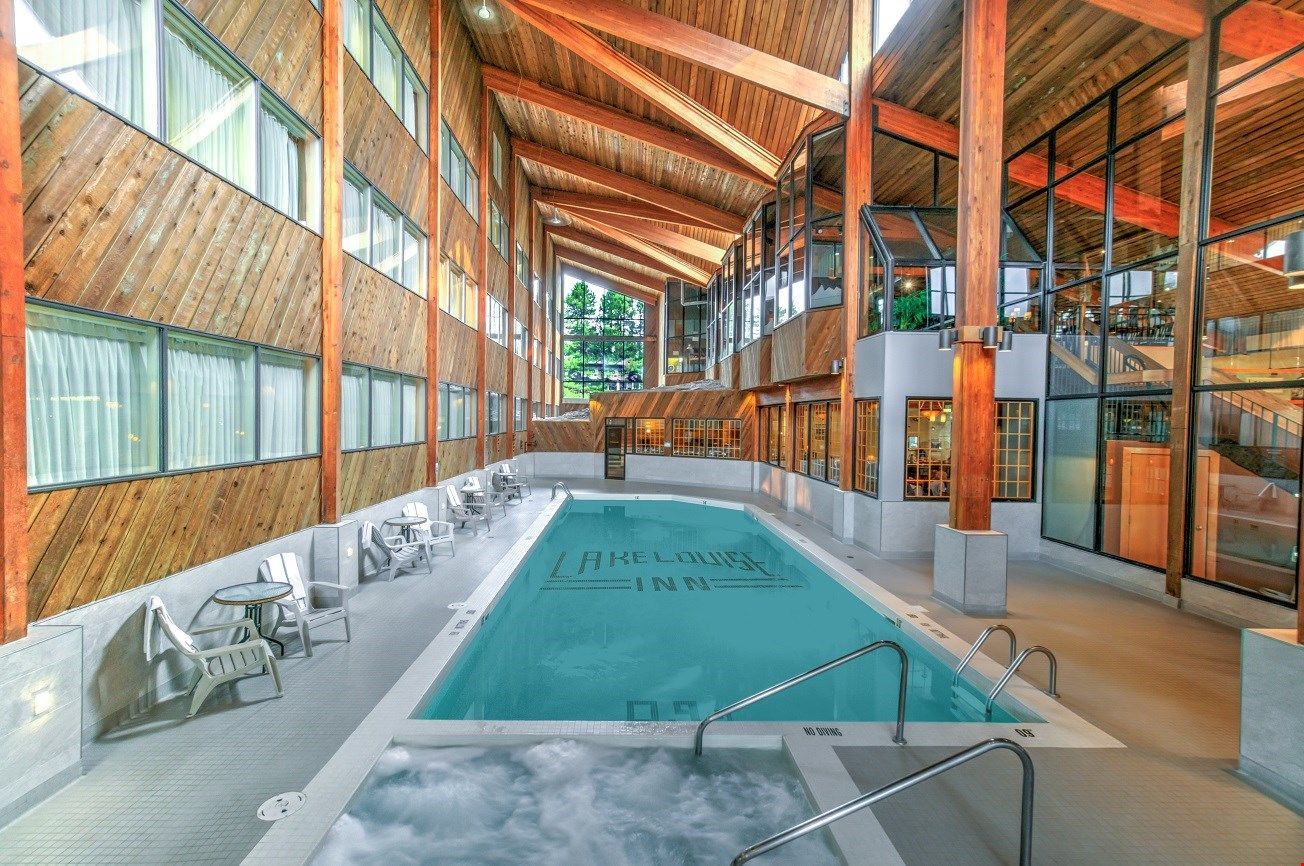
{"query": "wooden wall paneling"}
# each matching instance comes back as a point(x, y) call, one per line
point(807, 346)
point(495, 367)
point(280, 40)
point(755, 369)
point(457, 456)
point(460, 233)
point(512, 217)
point(378, 145)
point(551, 434)
point(384, 323)
point(457, 344)
point(462, 82)
point(13, 357)
point(333, 66)
point(483, 270)
point(435, 222)
point(381, 473)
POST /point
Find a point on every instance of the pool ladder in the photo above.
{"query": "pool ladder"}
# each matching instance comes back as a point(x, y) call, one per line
point(1016, 661)
point(899, 737)
point(850, 807)
point(564, 489)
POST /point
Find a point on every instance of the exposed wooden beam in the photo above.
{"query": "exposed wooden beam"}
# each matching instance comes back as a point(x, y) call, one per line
point(677, 266)
point(659, 235)
point(602, 266)
point(13, 352)
point(1260, 31)
point(628, 125)
point(332, 256)
point(626, 185)
point(598, 52)
point(435, 227)
point(1179, 17)
point(704, 48)
point(608, 246)
point(574, 201)
point(977, 261)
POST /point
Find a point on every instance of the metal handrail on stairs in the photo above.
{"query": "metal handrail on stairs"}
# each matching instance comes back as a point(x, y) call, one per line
point(982, 638)
point(1014, 666)
point(564, 488)
point(851, 806)
point(898, 737)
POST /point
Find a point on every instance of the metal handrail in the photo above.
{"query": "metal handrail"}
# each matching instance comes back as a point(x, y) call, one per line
point(898, 738)
point(825, 818)
point(973, 650)
point(565, 489)
point(1014, 666)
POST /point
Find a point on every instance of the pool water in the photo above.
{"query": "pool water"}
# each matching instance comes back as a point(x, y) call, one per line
point(565, 803)
point(654, 610)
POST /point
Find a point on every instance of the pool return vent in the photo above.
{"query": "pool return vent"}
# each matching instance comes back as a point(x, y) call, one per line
point(282, 806)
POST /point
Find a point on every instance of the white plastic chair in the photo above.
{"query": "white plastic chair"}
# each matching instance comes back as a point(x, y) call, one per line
point(506, 481)
point(493, 494)
point(299, 609)
point(218, 665)
point(463, 513)
point(517, 477)
point(431, 532)
point(396, 552)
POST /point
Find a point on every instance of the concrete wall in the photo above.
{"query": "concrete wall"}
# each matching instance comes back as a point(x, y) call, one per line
point(707, 471)
point(1272, 712)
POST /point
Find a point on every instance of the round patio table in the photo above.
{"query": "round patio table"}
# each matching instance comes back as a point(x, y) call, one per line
point(405, 524)
point(253, 596)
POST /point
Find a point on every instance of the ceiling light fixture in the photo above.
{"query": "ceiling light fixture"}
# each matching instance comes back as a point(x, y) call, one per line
point(484, 13)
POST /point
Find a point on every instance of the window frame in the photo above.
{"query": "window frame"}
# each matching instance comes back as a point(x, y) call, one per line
point(1034, 467)
point(401, 377)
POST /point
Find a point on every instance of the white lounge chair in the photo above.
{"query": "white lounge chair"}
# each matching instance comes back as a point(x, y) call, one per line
point(493, 495)
point(217, 665)
point(506, 481)
point(511, 470)
point(299, 609)
point(431, 532)
point(463, 513)
point(394, 553)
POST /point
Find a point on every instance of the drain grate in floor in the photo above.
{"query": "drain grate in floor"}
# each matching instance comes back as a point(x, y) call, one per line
point(282, 806)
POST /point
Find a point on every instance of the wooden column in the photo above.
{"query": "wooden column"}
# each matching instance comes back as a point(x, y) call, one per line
point(13, 347)
point(435, 229)
point(856, 192)
point(982, 113)
point(510, 390)
point(332, 255)
point(789, 458)
point(1184, 296)
point(482, 270)
point(532, 324)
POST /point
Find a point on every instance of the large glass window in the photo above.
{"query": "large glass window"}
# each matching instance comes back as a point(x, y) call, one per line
point(495, 320)
point(357, 214)
point(495, 414)
point(357, 30)
point(706, 437)
point(650, 436)
point(386, 395)
point(380, 408)
point(686, 322)
point(774, 435)
point(355, 408)
point(210, 402)
point(458, 171)
point(603, 341)
point(386, 243)
point(459, 295)
point(866, 477)
point(1069, 487)
point(92, 397)
point(414, 409)
point(457, 408)
point(289, 394)
point(1134, 506)
point(928, 449)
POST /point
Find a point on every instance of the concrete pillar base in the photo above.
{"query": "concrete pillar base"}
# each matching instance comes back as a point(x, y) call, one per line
point(969, 570)
point(1272, 713)
point(335, 553)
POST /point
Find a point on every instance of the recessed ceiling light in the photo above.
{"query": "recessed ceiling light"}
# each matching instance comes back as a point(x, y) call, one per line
point(484, 13)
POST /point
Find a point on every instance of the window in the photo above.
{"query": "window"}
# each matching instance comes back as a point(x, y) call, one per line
point(356, 214)
point(385, 413)
point(523, 268)
point(355, 408)
point(521, 414)
point(928, 449)
point(495, 320)
point(819, 440)
point(520, 338)
point(457, 405)
point(866, 472)
point(498, 162)
point(416, 102)
point(686, 314)
point(287, 145)
point(92, 397)
point(774, 432)
point(801, 437)
point(413, 269)
point(498, 231)
point(414, 410)
point(494, 415)
point(289, 394)
point(380, 408)
point(456, 169)
point(378, 233)
point(701, 437)
point(458, 295)
point(386, 243)
point(210, 417)
point(386, 62)
point(603, 344)
point(650, 436)
point(357, 30)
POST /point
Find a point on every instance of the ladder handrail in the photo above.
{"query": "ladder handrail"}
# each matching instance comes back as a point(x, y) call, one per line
point(1014, 666)
point(565, 489)
point(825, 818)
point(898, 738)
point(982, 638)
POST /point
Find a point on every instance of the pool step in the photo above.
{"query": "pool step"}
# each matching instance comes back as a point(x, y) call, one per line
point(966, 706)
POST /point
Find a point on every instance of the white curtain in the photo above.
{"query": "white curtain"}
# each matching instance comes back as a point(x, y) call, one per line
point(385, 242)
point(457, 413)
point(414, 410)
point(92, 398)
point(413, 259)
point(357, 29)
point(354, 404)
point(288, 405)
point(210, 403)
point(209, 105)
point(384, 408)
point(386, 67)
point(280, 170)
point(95, 47)
point(355, 219)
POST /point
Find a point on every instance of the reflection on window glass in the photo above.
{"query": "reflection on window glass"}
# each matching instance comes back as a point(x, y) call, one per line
point(1079, 234)
point(1075, 340)
point(1147, 179)
point(1069, 478)
point(1140, 318)
point(1134, 508)
point(650, 436)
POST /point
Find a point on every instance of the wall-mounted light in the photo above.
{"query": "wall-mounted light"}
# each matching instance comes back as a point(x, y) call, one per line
point(946, 339)
point(1007, 340)
point(837, 366)
point(484, 13)
point(42, 702)
point(1293, 260)
point(991, 336)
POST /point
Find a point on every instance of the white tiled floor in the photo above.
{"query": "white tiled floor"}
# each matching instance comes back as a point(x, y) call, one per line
point(165, 791)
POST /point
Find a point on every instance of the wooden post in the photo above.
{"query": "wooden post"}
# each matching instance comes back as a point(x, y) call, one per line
point(532, 322)
point(857, 191)
point(1184, 299)
point(982, 113)
point(332, 255)
point(510, 390)
point(13, 346)
point(789, 456)
point(435, 230)
point(482, 269)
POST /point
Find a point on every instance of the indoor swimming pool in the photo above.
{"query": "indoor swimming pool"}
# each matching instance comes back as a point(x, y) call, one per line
point(660, 610)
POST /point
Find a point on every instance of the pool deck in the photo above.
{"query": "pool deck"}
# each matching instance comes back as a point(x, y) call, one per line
point(164, 790)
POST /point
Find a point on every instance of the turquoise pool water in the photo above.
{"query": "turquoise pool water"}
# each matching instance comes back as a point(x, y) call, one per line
point(655, 610)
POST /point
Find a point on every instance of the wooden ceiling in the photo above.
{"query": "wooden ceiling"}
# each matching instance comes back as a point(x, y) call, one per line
point(620, 107)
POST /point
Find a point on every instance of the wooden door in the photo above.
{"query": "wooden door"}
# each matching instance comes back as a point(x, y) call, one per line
point(614, 446)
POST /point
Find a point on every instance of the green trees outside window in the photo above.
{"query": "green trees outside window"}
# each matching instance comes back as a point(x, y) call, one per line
point(603, 342)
